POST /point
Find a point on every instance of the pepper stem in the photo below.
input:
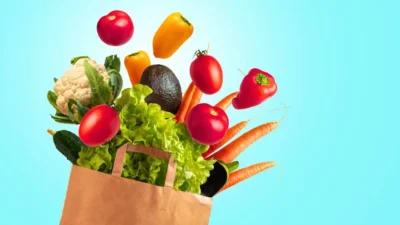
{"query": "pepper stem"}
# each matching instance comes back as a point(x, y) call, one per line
point(262, 79)
point(186, 21)
point(133, 54)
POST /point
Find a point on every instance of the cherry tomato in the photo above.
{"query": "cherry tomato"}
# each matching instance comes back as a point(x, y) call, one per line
point(207, 124)
point(115, 28)
point(206, 73)
point(99, 125)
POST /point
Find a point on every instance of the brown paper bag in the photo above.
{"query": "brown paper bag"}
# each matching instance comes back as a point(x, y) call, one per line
point(95, 198)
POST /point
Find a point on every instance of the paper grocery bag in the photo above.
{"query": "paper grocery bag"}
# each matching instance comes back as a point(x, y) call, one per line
point(95, 198)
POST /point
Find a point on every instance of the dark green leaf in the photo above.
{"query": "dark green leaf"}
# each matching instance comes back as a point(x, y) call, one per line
point(101, 91)
point(116, 83)
point(52, 98)
point(74, 60)
point(81, 110)
point(55, 79)
point(62, 119)
point(232, 166)
point(112, 62)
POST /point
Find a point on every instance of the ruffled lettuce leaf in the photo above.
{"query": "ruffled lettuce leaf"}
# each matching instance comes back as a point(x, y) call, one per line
point(96, 158)
point(147, 124)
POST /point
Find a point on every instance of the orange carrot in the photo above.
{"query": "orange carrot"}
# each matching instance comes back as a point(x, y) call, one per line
point(232, 131)
point(180, 115)
point(227, 101)
point(233, 149)
point(196, 97)
point(245, 173)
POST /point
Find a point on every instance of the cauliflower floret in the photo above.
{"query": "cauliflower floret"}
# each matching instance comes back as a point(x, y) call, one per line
point(74, 84)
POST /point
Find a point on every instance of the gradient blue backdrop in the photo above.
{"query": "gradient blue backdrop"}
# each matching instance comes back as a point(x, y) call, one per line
point(336, 64)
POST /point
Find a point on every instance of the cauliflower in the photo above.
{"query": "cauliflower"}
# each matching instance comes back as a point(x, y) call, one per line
point(74, 84)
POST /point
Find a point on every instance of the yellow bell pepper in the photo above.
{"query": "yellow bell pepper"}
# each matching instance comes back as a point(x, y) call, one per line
point(135, 64)
point(171, 35)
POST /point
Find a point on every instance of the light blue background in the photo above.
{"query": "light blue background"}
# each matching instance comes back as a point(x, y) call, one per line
point(337, 67)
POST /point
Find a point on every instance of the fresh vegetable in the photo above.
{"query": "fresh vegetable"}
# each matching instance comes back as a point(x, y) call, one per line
point(112, 62)
point(206, 73)
point(68, 144)
point(170, 36)
point(116, 28)
point(83, 86)
point(227, 101)
point(187, 97)
point(228, 153)
point(76, 84)
point(147, 124)
point(166, 88)
point(232, 131)
point(217, 179)
point(232, 166)
point(99, 125)
point(196, 98)
point(256, 87)
point(207, 124)
point(245, 173)
point(135, 64)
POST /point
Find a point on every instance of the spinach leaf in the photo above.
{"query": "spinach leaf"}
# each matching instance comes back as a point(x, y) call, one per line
point(101, 91)
point(112, 62)
point(115, 83)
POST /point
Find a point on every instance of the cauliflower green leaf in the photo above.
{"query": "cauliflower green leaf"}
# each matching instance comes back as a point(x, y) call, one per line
point(101, 91)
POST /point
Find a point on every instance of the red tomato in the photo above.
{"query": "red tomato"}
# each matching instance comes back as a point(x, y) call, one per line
point(206, 73)
point(115, 28)
point(99, 125)
point(207, 124)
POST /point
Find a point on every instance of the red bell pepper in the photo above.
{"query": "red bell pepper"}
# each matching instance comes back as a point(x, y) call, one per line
point(256, 87)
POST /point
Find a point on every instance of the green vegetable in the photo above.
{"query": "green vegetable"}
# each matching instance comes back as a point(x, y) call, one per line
point(81, 111)
point(232, 166)
point(115, 83)
point(61, 118)
point(101, 91)
point(101, 158)
point(96, 158)
point(147, 124)
point(112, 62)
point(52, 98)
point(58, 117)
point(74, 60)
point(68, 144)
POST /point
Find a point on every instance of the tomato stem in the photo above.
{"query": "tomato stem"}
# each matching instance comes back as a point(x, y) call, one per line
point(200, 53)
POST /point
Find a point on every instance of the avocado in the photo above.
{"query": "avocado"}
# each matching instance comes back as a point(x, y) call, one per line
point(167, 90)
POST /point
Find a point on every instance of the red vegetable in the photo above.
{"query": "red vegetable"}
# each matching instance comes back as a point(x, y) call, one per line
point(115, 28)
point(256, 87)
point(206, 73)
point(99, 125)
point(207, 124)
